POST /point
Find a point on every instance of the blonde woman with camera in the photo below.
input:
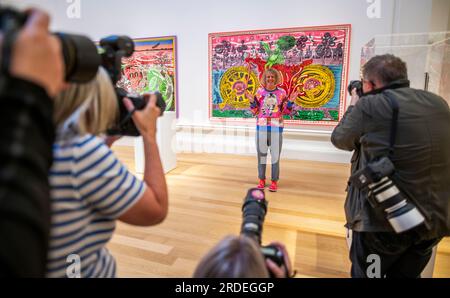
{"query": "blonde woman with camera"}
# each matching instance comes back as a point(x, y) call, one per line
point(91, 188)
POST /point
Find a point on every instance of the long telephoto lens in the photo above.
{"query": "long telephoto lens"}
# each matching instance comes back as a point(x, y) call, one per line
point(253, 213)
point(81, 57)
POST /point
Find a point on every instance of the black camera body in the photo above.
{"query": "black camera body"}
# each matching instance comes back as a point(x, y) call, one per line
point(125, 125)
point(113, 48)
point(253, 214)
point(373, 172)
point(355, 85)
point(273, 253)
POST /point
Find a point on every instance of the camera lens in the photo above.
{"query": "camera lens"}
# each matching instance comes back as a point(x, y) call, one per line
point(401, 214)
point(355, 85)
point(253, 214)
point(81, 57)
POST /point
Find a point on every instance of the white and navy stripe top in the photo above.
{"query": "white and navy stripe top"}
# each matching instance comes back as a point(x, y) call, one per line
point(90, 190)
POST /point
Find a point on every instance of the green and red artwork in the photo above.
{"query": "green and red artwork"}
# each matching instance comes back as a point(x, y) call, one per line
point(312, 61)
point(152, 68)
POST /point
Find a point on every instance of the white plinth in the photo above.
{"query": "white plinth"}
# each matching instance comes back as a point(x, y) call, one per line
point(165, 135)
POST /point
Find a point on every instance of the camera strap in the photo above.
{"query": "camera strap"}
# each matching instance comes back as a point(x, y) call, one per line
point(395, 109)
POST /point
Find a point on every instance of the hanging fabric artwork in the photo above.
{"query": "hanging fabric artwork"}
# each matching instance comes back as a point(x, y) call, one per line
point(312, 61)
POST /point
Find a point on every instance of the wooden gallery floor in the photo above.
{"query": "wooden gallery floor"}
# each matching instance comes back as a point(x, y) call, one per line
point(206, 193)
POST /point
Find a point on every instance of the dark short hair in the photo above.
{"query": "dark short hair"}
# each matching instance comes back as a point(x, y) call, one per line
point(385, 68)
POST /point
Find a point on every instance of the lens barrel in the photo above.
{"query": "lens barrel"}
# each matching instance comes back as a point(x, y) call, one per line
point(81, 57)
point(402, 215)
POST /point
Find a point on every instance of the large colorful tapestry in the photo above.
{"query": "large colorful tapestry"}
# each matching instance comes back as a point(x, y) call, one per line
point(152, 68)
point(312, 61)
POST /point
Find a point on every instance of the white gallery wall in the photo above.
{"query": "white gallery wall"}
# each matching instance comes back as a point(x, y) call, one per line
point(192, 20)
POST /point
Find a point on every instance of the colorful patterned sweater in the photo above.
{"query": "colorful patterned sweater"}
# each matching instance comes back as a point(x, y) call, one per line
point(269, 107)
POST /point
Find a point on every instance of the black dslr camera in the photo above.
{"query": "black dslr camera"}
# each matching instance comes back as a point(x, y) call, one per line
point(376, 180)
point(125, 125)
point(253, 213)
point(82, 59)
point(357, 85)
point(112, 50)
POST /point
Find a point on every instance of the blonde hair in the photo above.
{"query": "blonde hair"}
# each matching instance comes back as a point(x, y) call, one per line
point(233, 257)
point(98, 95)
point(274, 72)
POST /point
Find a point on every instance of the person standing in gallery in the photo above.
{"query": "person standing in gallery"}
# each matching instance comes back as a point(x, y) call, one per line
point(269, 104)
point(411, 128)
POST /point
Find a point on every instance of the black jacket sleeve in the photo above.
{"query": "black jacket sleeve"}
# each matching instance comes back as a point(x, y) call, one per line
point(26, 138)
point(347, 133)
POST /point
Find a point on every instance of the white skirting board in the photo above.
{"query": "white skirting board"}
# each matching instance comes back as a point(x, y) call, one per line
point(302, 145)
point(172, 138)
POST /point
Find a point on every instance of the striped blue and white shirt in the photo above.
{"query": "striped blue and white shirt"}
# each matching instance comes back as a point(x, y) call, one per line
point(91, 188)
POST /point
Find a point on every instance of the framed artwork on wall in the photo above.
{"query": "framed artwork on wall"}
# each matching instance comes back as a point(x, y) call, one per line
point(152, 67)
point(310, 60)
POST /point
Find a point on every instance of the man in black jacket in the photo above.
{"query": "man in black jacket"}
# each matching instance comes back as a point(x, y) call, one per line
point(35, 75)
point(421, 158)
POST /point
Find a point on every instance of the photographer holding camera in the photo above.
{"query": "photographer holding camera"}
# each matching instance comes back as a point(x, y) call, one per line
point(32, 73)
point(91, 189)
point(243, 256)
point(398, 196)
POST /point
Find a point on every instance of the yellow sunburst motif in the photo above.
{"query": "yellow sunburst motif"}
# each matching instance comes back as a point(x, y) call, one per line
point(318, 83)
point(233, 84)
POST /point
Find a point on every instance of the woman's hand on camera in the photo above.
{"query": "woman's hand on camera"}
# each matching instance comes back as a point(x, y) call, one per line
point(37, 55)
point(145, 120)
point(277, 271)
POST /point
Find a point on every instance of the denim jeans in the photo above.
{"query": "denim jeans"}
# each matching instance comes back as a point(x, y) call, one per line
point(266, 140)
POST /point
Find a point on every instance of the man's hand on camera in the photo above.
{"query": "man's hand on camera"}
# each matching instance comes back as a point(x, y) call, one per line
point(355, 97)
point(145, 120)
point(280, 272)
point(36, 54)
